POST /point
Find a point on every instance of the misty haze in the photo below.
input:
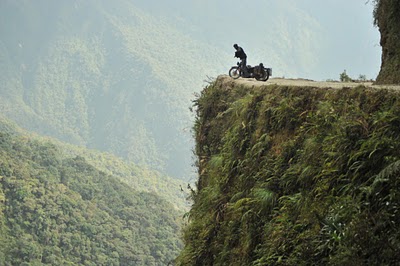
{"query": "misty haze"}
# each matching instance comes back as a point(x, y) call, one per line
point(97, 155)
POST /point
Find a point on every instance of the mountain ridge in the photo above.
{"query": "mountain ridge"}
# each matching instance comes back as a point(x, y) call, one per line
point(90, 83)
point(140, 179)
point(58, 208)
point(119, 78)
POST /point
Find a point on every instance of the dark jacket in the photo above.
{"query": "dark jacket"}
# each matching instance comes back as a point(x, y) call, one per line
point(240, 53)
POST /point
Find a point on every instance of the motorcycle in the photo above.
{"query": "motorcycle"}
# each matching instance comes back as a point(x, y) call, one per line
point(259, 72)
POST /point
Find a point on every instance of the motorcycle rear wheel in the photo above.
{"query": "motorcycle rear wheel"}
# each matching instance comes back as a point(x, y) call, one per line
point(264, 77)
point(234, 72)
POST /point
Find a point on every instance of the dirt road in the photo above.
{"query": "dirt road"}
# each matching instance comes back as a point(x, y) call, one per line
point(306, 83)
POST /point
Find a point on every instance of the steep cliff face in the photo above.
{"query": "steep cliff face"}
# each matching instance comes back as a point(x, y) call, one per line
point(293, 175)
point(388, 20)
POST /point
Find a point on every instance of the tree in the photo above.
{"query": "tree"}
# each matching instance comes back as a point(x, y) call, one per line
point(387, 19)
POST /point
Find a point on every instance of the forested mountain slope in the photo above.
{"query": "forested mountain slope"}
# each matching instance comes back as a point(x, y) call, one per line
point(119, 76)
point(102, 74)
point(59, 209)
point(295, 175)
point(141, 179)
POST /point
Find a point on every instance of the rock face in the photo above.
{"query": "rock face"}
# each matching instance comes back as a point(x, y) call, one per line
point(387, 18)
point(295, 175)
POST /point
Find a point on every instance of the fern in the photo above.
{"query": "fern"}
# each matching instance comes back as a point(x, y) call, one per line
point(386, 175)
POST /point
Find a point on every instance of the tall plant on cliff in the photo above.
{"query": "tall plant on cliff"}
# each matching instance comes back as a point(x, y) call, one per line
point(387, 18)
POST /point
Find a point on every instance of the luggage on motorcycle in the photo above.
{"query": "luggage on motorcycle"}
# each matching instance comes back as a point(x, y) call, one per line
point(259, 72)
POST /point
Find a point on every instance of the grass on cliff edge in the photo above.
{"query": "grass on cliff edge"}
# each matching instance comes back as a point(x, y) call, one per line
point(295, 176)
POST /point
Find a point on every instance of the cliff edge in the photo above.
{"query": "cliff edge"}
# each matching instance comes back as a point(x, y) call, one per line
point(295, 173)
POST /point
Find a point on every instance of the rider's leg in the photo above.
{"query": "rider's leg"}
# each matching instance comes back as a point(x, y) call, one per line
point(244, 67)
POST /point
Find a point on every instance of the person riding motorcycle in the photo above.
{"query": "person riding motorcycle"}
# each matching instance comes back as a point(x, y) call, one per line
point(243, 58)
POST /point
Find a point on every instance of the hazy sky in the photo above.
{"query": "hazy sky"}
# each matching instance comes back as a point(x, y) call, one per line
point(354, 40)
point(343, 35)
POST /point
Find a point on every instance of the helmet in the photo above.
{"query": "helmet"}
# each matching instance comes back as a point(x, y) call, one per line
point(235, 45)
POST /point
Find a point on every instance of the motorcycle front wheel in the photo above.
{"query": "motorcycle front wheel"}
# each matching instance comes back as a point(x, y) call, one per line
point(234, 72)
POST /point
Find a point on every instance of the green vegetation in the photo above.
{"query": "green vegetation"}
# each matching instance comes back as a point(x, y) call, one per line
point(344, 77)
point(387, 18)
point(61, 210)
point(139, 178)
point(295, 176)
